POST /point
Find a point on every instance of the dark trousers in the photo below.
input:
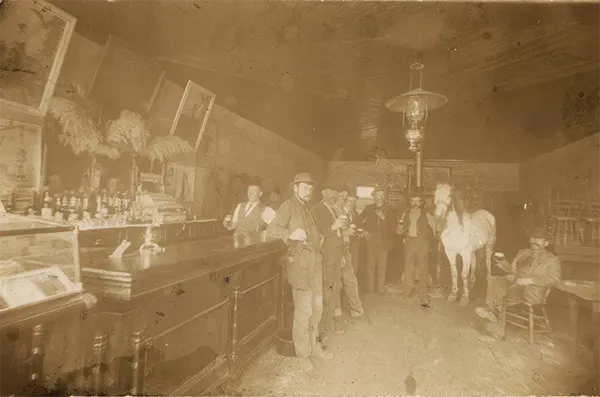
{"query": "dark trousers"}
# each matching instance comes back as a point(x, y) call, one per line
point(332, 285)
point(377, 256)
point(416, 258)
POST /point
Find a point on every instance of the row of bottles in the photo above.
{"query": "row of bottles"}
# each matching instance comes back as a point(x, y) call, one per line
point(72, 206)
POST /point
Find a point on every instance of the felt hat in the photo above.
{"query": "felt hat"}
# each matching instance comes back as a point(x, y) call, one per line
point(303, 177)
point(378, 188)
point(540, 232)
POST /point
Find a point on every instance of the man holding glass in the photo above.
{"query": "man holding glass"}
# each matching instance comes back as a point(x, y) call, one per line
point(296, 226)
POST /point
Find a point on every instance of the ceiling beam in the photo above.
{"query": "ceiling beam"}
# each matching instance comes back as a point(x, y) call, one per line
point(270, 82)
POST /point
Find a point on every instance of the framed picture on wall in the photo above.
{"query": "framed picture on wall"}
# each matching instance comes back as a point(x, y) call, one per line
point(205, 157)
point(20, 155)
point(193, 113)
point(126, 79)
point(33, 44)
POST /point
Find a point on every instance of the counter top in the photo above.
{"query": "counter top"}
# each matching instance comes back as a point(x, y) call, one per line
point(139, 272)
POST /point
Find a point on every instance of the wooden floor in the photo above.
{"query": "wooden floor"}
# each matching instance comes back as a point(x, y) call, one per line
point(441, 347)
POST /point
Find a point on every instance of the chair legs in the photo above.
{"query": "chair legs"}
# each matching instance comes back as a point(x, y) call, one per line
point(528, 316)
point(531, 325)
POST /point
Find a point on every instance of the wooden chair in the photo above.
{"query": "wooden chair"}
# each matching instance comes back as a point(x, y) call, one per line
point(521, 314)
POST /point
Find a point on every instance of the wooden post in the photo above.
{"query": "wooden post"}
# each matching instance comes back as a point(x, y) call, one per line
point(100, 343)
point(37, 356)
point(233, 353)
point(138, 365)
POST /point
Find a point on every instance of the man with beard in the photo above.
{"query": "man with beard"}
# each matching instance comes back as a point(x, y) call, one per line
point(533, 272)
point(349, 281)
point(379, 222)
point(330, 225)
point(417, 227)
point(297, 227)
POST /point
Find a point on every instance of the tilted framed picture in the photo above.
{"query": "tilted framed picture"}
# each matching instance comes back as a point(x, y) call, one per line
point(34, 41)
point(193, 113)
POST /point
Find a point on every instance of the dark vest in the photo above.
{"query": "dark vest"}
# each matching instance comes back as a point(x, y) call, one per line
point(251, 222)
point(424, 231)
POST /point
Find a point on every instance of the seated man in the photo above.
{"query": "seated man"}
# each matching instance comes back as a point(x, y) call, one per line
point(533, 271)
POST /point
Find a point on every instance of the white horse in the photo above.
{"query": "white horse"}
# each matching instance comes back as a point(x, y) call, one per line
point(463, 234)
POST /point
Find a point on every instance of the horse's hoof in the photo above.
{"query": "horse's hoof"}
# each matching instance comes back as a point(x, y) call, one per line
point(464, 301)
point(452, 298)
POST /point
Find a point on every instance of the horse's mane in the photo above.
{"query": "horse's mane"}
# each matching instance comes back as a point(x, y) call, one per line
point(458, 202)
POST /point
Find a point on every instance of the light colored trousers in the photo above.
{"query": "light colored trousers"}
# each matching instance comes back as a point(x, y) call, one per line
point(308, 310)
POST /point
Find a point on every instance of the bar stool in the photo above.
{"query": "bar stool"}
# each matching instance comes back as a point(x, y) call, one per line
point(565, 222)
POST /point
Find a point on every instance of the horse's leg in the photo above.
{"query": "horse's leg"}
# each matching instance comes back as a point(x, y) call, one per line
point(473, 270)
point(466, 269)
point(452, 259)
point(489, 250)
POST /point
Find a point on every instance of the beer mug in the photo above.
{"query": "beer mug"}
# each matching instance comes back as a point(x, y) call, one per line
point(344, 219)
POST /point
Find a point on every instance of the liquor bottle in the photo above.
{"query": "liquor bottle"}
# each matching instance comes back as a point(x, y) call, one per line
point(64, 205)
point(104, 211)
point(86, 212)
point(117, 204)
point(47, 207)
point(72, 217)
point(57, 204)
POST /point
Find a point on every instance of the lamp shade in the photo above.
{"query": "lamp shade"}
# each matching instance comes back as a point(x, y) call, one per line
point(415, 99)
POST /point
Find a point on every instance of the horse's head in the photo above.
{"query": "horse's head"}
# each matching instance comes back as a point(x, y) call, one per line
point(442, 199)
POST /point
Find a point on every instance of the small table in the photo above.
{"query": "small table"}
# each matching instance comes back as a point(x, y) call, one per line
point(588, 294)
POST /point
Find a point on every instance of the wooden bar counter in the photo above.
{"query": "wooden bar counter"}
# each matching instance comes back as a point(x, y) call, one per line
point(183, 321)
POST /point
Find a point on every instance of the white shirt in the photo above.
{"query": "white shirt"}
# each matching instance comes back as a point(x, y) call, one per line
point(267, 216)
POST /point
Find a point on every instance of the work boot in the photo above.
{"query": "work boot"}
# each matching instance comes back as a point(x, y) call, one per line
point(320, 353)
point(486, 314)
point(304, 364)
point(357, 314)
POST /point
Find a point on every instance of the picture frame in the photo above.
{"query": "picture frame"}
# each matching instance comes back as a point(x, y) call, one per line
point(136, 84)
point(34, 42)
point(207, 150)
point(193, 113)
point(20, 156)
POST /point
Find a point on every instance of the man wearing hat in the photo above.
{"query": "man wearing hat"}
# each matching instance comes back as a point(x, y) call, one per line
point(251, 215)
point(417, 226)
point(344, 207)
point(379, 223)
point(295, 224)
point(330, 224)
point(534, 271)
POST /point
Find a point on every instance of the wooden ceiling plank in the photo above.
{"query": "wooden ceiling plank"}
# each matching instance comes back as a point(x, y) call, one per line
point(522, 58)
point(507, 56)
point(507, 41)
point(544, 78)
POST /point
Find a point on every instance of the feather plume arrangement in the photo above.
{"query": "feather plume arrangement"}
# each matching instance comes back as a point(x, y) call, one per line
point(130, 132)
point(162, 148)
point(78, 131)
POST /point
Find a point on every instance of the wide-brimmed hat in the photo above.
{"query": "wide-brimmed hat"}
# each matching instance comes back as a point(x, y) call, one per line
point(540, 232)
point(303, 177)
point(330, 185)
point(378, 188)
point(415, 193)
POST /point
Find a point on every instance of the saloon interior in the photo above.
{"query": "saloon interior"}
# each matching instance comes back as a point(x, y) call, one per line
point(131, 129)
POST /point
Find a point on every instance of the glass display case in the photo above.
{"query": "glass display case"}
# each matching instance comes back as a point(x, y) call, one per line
point(39, 262)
